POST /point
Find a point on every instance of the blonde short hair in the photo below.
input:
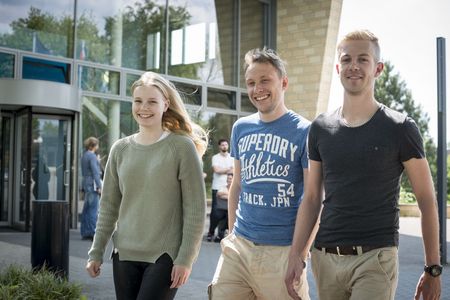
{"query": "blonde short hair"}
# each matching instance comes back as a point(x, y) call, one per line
point(361, 35)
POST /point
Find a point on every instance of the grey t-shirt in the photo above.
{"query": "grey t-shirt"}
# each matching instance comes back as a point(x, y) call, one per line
point(362, 168)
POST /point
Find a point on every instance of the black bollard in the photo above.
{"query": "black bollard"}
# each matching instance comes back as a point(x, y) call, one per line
point(50, 236)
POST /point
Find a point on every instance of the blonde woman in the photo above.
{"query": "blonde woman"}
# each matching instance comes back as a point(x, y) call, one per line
point(153, 198)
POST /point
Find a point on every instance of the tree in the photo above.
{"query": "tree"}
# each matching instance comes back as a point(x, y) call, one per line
point(392, 91)
point(53, 33)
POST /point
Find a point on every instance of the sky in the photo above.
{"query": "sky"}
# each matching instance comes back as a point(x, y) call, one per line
point(407, 32)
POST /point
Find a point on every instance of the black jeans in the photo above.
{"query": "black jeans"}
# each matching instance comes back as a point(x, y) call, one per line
point(135, 280)
point(212, 216)
point(220, 220)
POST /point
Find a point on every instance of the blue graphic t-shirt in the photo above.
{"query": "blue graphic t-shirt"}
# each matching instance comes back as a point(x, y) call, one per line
point(272, 156)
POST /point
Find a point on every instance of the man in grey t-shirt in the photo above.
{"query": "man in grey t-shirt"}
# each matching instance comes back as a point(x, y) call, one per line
point(358, 153)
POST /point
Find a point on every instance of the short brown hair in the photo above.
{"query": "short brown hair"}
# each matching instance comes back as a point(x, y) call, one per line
point(265, 56)
point(90, 142)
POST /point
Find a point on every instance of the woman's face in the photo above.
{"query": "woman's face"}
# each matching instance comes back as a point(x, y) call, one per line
point(148, 106)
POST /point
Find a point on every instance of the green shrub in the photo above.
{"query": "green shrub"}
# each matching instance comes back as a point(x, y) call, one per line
point(410, 198)
point(407, 197)
point(19, 283)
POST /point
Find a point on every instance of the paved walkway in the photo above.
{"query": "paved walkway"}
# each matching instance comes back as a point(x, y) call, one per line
point(15, 248)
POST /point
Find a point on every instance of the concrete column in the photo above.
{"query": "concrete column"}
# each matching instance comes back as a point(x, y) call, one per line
point(113, 121)
point(116, 60)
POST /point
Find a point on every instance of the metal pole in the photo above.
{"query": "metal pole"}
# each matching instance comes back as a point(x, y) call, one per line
point(442, 149)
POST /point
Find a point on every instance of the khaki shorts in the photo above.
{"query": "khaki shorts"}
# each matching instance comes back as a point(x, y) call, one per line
point(248, 271)
point(371, 275)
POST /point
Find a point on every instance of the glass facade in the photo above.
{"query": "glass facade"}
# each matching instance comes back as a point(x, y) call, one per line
point(99, 80)
point(194, 48)
point(190, 93)
point(103, 46)
point(45, 27)
point(122, 33)
point(7, 65)
point(219, 126)
point(252, 12)
point(246, 105)
point(221, 99)
point(106, 119)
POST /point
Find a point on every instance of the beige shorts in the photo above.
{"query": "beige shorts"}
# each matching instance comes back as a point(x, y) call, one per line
point(371, 275)
point(248, 271)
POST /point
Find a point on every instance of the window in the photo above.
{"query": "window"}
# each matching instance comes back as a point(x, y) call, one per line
point(221, 99)
point(6, 65)
point(99, 80)
point(246, 104)
point(190, 93)
point(41, 69)
point(131, 78)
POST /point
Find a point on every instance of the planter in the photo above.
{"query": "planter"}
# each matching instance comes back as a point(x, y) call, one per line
point(412, 210)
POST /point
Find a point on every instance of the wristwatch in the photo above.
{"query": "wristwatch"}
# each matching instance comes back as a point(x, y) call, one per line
point(303, 263)
point(434, 270)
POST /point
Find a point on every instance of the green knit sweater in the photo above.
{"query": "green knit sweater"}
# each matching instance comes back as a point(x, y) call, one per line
point(153, 201)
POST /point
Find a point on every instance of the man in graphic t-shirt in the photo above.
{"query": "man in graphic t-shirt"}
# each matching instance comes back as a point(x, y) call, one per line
point(270, 165)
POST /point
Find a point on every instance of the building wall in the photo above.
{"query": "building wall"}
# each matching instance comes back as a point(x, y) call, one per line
point(306, 38)
point(250, 36)
point(226, 38)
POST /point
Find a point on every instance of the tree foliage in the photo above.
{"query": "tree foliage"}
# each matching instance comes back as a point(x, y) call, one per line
point(124, 41)
point(54, 33)
point(392, 91)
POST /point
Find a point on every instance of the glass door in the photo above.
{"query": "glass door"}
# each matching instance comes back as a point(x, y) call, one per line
point(6, 130)
point(43, 163)
point(50, 158)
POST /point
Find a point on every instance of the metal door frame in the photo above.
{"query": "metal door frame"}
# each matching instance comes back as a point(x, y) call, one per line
point(22, 176)
point(8, 221)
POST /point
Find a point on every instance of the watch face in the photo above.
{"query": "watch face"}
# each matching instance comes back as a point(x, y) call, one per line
point(434, 270)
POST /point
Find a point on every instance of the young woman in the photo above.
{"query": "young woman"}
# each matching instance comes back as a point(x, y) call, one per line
point(153, 197)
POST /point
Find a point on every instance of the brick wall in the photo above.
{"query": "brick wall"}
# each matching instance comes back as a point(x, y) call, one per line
point(306, 38)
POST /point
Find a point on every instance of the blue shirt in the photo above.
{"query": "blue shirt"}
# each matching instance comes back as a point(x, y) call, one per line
point(90, 170)
point(272, 157)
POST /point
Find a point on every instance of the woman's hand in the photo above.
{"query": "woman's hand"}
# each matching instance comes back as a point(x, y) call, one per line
point(93, 268)
point(180, 275)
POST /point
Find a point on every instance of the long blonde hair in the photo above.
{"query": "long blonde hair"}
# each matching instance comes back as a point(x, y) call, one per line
point(176, 119)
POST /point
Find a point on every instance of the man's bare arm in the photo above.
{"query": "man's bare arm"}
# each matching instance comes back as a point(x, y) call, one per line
point(233, 196)
point(420, 178)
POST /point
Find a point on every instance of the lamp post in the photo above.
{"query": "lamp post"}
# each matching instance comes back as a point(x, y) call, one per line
point(442, 149)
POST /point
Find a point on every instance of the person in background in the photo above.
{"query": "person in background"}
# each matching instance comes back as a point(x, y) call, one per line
point(270, 166)
point(91, 186)
point(222, 208)
point(358, 153)
point(222, 163)
point(153, 199)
